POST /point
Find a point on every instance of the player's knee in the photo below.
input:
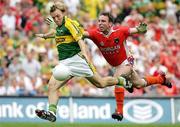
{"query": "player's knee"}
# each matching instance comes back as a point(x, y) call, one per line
point(61, 72)
point(128, 71)
point(139, 83)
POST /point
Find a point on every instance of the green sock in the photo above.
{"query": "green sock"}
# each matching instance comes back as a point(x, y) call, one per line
point(53, 108)
point(121, 81)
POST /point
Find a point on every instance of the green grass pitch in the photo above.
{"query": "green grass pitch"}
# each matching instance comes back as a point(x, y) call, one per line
point(83, 125)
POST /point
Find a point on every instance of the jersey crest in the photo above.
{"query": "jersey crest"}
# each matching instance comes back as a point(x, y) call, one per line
point(101, 43)
point(116, 40)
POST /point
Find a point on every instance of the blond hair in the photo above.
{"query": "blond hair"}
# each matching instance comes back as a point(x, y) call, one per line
point(58, 5)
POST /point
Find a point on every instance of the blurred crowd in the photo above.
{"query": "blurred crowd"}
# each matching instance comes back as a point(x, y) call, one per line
point(26, 61)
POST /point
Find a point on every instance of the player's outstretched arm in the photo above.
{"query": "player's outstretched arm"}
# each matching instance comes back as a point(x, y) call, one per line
point(84, 50)
point(46, 35)
point(85, 53)
point(141, 28)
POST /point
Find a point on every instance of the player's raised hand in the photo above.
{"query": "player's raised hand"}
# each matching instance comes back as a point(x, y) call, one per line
point(142, 28)
point(48, 21)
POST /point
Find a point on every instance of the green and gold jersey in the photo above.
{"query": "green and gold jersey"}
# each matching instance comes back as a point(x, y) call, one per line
point(67, 37)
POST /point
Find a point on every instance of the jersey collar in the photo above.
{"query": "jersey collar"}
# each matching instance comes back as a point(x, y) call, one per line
point(63, 21)
point(110, 31)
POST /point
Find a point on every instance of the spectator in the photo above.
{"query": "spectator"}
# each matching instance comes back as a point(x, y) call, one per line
point(9, 21)
point(31, 66)
point(15, 66)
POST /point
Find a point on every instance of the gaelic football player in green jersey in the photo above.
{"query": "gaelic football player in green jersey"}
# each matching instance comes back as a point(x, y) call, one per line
point(73, 61)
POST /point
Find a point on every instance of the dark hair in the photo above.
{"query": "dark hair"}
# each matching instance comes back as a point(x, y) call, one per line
point(110, 17)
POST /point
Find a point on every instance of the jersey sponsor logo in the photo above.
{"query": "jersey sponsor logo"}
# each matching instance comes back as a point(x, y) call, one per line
point(110, 50)
point(101, 43)
point(143, 111)
point(116, 40)
point(60, 31)
point(60, 39)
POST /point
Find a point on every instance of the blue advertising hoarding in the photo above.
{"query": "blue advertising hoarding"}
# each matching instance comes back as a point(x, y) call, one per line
point(87, 110)
point(176, 111)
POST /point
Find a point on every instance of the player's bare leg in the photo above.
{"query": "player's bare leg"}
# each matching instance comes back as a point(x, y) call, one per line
point(53, 98)
point(119, 91)
point(139, 82)
point(102, 82)
point(126, 72)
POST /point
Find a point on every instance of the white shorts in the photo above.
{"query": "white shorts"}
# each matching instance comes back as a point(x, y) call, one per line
point(124, 63)
point(77, 66)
